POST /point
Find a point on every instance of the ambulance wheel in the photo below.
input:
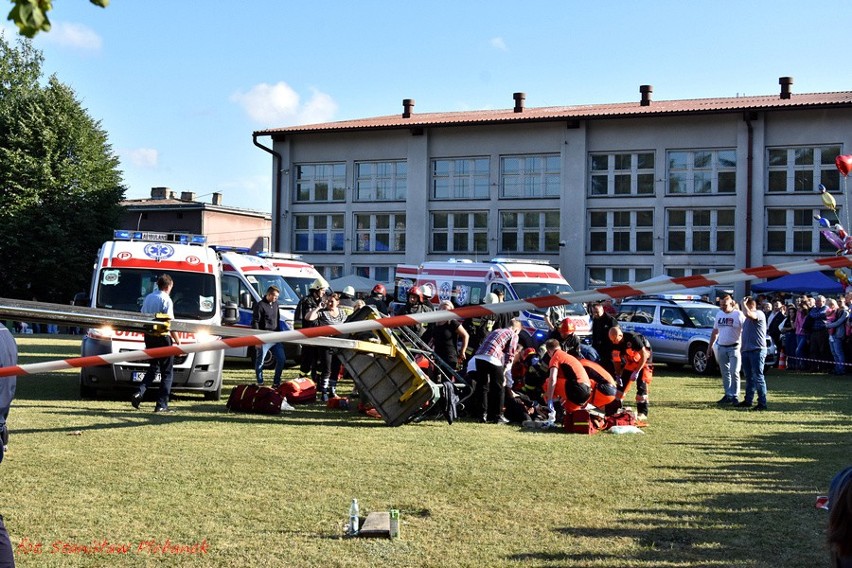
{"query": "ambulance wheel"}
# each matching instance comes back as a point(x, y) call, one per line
point(214, 395)
point(87, 392)
point(268, 360)
point(698, 359)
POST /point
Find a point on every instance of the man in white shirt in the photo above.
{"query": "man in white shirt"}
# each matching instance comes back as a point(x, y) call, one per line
point(725, 346)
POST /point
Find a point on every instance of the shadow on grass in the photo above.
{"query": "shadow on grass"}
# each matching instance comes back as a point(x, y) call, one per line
point(767, 518)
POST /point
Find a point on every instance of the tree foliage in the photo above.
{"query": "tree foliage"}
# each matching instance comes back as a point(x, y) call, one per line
point(31, 15)
point(60, 186)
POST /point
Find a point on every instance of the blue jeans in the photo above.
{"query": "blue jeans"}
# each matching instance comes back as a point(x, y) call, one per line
point(836, 345)
point(278, 351)
point(753, 362)
point(164, 366)
point(790, 342)
point(729, 363)
point(801, 352)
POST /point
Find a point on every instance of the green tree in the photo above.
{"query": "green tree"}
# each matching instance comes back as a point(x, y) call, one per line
point(31, 15)
point(60, 186)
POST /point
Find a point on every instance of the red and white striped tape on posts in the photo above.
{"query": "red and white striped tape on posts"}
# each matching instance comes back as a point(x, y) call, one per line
point(611, 292)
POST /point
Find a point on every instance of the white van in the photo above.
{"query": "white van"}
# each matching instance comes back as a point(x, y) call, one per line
point(245, 279)
point(126, 271)
point(466, 282)
point(298, 274)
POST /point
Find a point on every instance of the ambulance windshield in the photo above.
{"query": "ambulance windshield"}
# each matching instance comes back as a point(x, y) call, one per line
point(262, 282)
point(195, 294)
point(535, 289)
point(301, 285)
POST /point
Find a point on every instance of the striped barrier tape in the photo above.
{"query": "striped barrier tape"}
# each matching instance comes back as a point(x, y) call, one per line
point(462, 313)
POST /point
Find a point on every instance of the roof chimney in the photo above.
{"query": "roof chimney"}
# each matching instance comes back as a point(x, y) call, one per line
point(217, 198)
point(785, 83)
point(646, 91)
point(187, 196)
point(159, 192)
point(519, 101)
point(407, 107)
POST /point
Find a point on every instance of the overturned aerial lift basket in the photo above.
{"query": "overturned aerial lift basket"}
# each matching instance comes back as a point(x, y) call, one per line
point(387, 375)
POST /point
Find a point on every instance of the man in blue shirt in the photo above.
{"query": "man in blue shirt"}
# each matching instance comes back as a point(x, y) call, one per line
point(753, 354)
point(159, 305)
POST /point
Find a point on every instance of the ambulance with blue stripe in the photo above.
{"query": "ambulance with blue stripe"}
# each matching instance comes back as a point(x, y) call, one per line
point(126, 271)
point(245, 279)
point(466, 282)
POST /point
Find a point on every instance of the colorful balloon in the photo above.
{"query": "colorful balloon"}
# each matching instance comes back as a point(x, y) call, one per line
point(823, 222)
point(838, 228)
point(841, 277)
point(832, 238)
point(828, 199)
point(844, 164)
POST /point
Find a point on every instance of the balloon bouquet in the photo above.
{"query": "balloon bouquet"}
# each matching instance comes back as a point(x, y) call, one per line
point(837, 235)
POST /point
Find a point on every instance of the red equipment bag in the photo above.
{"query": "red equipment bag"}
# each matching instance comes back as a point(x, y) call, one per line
point(299, 391)
point(254, 398)
point(581, 422)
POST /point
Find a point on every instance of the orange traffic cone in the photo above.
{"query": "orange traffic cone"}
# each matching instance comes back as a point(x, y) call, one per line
point(782, 361)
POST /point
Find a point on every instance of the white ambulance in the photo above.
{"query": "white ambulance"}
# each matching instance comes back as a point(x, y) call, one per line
point(466, 282)
point(245, 279)
point(126, 271)
point(298, 274)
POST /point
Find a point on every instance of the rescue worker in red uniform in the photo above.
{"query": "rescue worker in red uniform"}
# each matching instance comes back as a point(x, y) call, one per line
point(634, 365)
point(568, 381)
point(604, 388)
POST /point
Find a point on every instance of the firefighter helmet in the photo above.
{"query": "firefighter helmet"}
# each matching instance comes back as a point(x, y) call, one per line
point(319, 284)
point(567, 327)
point(415, 291)
point(379, 289)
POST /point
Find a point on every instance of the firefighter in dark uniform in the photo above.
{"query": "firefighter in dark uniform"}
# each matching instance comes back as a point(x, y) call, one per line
point(310, 363)
point(633, 365)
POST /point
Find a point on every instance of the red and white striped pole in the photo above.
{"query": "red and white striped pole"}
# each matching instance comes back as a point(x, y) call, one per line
point(465, 312)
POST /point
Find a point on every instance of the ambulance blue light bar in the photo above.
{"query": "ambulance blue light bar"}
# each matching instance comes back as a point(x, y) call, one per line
point(183, 238)
point(280, 255)
point(229, 248)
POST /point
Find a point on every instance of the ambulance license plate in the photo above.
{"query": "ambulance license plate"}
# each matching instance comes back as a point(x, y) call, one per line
point(138, 376)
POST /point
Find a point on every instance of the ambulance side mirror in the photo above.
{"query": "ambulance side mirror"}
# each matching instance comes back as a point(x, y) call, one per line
point(230, 313)
point(246, 301)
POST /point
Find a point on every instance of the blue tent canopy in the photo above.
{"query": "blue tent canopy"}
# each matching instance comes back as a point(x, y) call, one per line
point(804, 283)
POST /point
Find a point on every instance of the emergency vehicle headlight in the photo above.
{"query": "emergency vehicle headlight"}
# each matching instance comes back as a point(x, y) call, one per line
point(202, 337)
point(105, 332)
point(121, 235)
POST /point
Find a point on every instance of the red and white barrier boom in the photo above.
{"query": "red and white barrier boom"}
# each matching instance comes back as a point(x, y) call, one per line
point(611, 292)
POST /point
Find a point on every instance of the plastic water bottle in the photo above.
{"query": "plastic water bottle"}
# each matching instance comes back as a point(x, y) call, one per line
point(354, 515)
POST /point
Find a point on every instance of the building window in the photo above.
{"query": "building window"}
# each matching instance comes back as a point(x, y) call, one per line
point(621, 174)
point(792, 230)
point(802, 169)
point(529, 231)
point(699, 230)
point(318, 233)
point(381, 181)
point(530, 176)
point(460, 232)
point(380, 232)
point(330, 271)
point(321, 182)
point(702, 171)
point(601, 276)
point(377, 273)
point(461, 178)
point(621, 231)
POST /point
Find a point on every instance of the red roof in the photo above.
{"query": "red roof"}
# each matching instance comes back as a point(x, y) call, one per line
point(548, 114)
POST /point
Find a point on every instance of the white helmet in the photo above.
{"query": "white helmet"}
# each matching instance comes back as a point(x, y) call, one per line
point(348, 290)
point(319, 284)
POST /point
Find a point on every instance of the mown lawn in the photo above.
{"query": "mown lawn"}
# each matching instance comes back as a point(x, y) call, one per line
point(703, 486)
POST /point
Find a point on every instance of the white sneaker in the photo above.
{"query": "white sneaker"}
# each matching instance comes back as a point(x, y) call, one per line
point(641, 418)
point(286, 405)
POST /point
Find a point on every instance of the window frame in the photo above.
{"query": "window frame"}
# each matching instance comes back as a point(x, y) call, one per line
point(613, 173)
point(311, 183)
point(332, 233)
point(397, 180)
point(532, 181)
point(471, 232)
point(690, 171)
point(395, 233)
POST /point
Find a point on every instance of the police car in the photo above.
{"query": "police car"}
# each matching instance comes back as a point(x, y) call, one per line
point(678, 327)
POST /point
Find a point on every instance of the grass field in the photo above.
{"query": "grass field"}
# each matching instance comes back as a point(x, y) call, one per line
point(703, 486)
